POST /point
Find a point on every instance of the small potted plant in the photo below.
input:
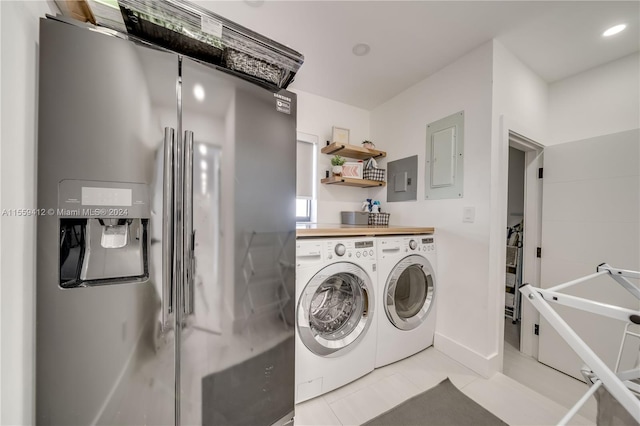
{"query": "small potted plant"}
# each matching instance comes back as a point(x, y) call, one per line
point(337, 162)
point(368, 144)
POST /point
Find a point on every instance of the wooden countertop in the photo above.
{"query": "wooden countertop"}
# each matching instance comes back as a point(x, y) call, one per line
point(314, 230)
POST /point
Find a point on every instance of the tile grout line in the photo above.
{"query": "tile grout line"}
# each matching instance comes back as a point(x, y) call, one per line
point(352, 392)
point(334, 413)
point(475, 378)
point(369, 386)
point(402, 373)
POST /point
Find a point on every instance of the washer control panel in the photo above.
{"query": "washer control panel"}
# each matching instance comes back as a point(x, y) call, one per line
point(402, 246)
point(426, 244)
point(350, 249)
point(418, 243)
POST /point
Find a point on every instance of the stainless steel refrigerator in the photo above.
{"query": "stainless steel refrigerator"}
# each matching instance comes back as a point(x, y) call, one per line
point(165, 244)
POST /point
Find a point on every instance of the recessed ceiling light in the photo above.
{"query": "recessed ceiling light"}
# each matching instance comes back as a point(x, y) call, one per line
point(614, 30)
point(361, 49)
point(254, 3)
point(198, 92)
point(203, 149)
point(203, 165)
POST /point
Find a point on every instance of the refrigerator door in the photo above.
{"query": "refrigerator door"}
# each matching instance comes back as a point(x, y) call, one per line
point(237, 339)
point(105, 352)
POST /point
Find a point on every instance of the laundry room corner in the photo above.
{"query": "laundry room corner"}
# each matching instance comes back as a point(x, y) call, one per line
point(316, 116)
point(463, 330)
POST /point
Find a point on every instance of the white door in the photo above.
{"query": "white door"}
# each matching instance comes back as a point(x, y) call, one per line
point(590, 215)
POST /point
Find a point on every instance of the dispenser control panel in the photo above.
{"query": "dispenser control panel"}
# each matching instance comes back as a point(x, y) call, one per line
point(95, 196)
point(80, 198)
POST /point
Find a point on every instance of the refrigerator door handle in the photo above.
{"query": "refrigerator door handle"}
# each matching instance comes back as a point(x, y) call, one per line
point(189, 235)
point(179, 222)
point(167, 228)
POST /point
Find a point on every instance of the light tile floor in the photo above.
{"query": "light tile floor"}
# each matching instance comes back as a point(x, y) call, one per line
point(387, 387)
point(559, 387)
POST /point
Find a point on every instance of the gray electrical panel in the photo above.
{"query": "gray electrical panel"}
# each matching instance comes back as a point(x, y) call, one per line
point(403, 179)
point(445, 158)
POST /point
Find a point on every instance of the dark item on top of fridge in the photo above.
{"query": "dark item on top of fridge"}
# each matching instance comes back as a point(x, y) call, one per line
point(163, 34)
point(189, 29)
point(238, 61)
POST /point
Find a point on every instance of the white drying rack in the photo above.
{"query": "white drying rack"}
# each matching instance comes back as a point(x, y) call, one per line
point(619, 383)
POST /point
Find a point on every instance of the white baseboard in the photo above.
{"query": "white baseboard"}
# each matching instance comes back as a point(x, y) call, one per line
point(486, 366)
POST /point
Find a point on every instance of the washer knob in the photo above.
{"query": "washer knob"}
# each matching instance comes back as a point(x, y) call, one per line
point(340, 249)
point(413, 244)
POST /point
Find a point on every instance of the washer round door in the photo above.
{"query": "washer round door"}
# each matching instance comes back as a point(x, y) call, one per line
point(409, 292)
point(335, 309)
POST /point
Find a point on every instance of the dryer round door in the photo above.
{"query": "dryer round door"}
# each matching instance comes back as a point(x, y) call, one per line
point(409, 292)
point(335, 309)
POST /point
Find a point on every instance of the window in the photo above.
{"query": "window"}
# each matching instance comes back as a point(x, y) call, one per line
point(303, 210)
point(305, 177)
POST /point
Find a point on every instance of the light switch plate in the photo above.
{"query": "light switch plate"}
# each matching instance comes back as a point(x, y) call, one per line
point(468, 214)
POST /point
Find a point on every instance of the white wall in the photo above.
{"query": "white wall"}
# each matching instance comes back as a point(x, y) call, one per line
point(600, 101)
point(399, 127)
point(591, 215)
point(520, 103)
point(17, 280)
point(591, 204)
point(519, 94)
point(317, 116)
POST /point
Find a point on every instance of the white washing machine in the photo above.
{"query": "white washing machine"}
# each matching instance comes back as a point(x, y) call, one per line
point(407, 288)
point(335, 313)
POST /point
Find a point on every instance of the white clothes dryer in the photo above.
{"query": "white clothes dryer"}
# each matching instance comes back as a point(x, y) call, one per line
point(335, 313)
point(407, 289)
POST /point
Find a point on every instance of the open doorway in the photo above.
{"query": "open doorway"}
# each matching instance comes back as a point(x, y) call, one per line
point(515, 228)
point(523, 226)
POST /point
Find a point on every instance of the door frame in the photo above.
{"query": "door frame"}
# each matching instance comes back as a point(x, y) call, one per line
point(532, 233)
point(514, 135)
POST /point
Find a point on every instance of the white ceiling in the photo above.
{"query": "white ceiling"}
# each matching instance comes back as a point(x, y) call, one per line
point(411, 40)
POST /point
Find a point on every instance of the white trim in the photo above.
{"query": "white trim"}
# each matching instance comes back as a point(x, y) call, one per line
point(307, 137)
point(486, 366)
point(531, 239)
point(522, 143)
point(513, 134)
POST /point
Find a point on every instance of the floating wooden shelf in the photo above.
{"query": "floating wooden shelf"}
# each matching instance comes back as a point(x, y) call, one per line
point(352, 151)
point(361, 183)
point(311, 230)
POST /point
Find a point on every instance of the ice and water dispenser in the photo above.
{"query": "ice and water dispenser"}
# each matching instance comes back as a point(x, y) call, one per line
point(104, 233)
